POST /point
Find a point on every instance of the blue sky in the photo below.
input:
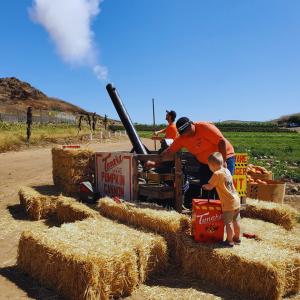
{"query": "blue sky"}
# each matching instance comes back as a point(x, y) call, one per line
point(208, 60)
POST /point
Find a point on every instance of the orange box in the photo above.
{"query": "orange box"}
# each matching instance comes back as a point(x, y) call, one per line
point(207, 223)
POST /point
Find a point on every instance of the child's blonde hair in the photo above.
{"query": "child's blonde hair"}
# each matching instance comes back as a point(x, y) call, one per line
point(217, 158)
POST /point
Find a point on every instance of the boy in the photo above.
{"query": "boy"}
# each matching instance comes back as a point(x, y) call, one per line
point(230, 201)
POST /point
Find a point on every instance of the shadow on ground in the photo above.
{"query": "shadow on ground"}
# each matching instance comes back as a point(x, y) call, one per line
point(28, 285)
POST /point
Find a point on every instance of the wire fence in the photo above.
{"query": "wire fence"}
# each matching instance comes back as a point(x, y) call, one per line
point(41, 117)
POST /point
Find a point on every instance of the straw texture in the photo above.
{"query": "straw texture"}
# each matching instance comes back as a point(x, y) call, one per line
point(280, 214)
point(272, 234)
point(37, 206)
point(254, 268)
point(69, 210)
point(155, 220)
point(70, 167)
point(91, 259)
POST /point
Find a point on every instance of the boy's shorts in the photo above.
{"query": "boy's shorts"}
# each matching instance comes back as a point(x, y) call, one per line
point(230, 216)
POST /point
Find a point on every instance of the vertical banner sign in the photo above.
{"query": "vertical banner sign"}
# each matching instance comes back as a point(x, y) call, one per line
point(240, 173)
point(114, 174)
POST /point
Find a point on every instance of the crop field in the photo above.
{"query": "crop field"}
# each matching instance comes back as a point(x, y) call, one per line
point(279, 152)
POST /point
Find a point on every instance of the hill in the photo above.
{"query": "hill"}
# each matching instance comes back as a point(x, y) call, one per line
point(17, 95)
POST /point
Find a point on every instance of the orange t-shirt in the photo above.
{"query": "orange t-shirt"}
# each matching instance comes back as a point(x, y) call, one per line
point(222, 181)
point(171, 132)
point(203, 143)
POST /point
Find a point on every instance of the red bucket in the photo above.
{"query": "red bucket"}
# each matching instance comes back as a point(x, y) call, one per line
point(207, 223)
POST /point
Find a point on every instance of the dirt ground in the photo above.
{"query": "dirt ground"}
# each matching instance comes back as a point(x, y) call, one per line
point(33, 167)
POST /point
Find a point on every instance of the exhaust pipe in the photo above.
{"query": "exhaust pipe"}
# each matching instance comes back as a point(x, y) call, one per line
point(124, 116)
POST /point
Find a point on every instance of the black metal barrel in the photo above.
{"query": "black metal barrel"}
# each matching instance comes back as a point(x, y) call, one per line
point(124, 116)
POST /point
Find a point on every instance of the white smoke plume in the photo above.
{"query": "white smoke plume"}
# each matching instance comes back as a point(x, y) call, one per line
point(68, 23)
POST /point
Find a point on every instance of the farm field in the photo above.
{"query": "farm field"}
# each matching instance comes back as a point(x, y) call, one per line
point(13, 136)
point(277, 151)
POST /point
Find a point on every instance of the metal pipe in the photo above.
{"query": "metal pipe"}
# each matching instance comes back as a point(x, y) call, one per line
point(125, 118)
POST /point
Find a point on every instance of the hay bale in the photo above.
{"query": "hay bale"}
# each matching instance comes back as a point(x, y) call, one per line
point(272, 234)
point(69, 210)
point(155, 220)
point(36, 205)
point(254, 268)
point(280, 214)
point(91, 259)
point(70, 167)
point(161, 292)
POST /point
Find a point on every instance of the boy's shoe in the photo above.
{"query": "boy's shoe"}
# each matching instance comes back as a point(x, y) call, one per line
point(236, 241)
point(227, 244)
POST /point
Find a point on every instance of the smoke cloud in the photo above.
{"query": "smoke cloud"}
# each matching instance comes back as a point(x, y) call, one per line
point(68, 23)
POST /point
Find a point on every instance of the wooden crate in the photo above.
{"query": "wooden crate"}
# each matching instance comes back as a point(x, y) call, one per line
point(153, 187)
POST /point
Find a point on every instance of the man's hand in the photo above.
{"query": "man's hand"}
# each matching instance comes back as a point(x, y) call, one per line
point(150, 164)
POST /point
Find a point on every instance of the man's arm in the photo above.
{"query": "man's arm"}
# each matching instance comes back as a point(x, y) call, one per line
point(160, 131)
point(222, 150)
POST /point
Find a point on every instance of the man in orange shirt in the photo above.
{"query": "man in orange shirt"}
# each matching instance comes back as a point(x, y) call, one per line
point(170, 131)
point(202, 139)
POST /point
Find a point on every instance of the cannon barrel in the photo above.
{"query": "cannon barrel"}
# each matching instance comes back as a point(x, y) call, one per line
point(124, 116)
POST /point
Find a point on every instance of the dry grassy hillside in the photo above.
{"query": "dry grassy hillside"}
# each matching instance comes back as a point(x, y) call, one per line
point(17, 95)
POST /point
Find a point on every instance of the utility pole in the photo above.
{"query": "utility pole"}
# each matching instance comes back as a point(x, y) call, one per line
point(153, 111)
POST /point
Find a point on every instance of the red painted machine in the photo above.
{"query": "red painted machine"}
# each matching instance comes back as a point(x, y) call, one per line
point(207, 223)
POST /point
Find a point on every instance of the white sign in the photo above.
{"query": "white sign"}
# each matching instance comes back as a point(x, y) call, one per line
point(114, 174)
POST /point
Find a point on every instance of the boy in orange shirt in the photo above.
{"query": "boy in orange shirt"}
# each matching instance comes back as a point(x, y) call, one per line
point(230, 201)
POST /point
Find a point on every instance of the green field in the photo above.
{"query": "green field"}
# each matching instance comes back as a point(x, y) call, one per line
point(277, 151)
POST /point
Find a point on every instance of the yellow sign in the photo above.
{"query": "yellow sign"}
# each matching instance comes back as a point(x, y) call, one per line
point(240, 173)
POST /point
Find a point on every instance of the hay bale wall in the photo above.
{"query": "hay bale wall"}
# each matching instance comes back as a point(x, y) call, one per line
point(36, 205)
point(253, 269)
point(280, 214)
point(155, 220)
point(91, 259)
point(69, 210)
point(70, 167)
point(272, 234)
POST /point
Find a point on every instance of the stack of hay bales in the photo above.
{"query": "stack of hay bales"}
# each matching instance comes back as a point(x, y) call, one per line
point(36, 205)
point(280, 214)
point(253, 268)
point(155, 220)
point(70, 167)
point(69, 210)
point(91, 259)
point(272, 234)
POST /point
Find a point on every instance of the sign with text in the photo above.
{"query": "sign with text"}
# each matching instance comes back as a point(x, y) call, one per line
point(114, 174)
point(240, 173)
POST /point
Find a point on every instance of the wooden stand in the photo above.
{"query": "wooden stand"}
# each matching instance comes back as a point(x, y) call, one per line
point(154, 186)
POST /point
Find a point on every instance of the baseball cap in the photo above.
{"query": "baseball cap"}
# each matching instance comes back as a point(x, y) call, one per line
point(182, 124)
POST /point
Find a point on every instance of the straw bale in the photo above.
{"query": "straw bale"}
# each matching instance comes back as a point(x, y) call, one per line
point(273, 234)
point(91, 259)
point(280, 214)
point(156, 292)
point(70, 167)
point(253, 269)
point(152, 219)
point(70, 210)
point(36, 205)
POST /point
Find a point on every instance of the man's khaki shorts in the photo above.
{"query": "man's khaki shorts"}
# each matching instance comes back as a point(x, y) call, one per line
point(230, 216)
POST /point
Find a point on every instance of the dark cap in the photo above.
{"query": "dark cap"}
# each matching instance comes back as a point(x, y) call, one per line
point(182, 124)
point(171, 113)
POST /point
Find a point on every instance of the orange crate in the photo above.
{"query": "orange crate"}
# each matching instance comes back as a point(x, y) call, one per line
point(207, 223)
